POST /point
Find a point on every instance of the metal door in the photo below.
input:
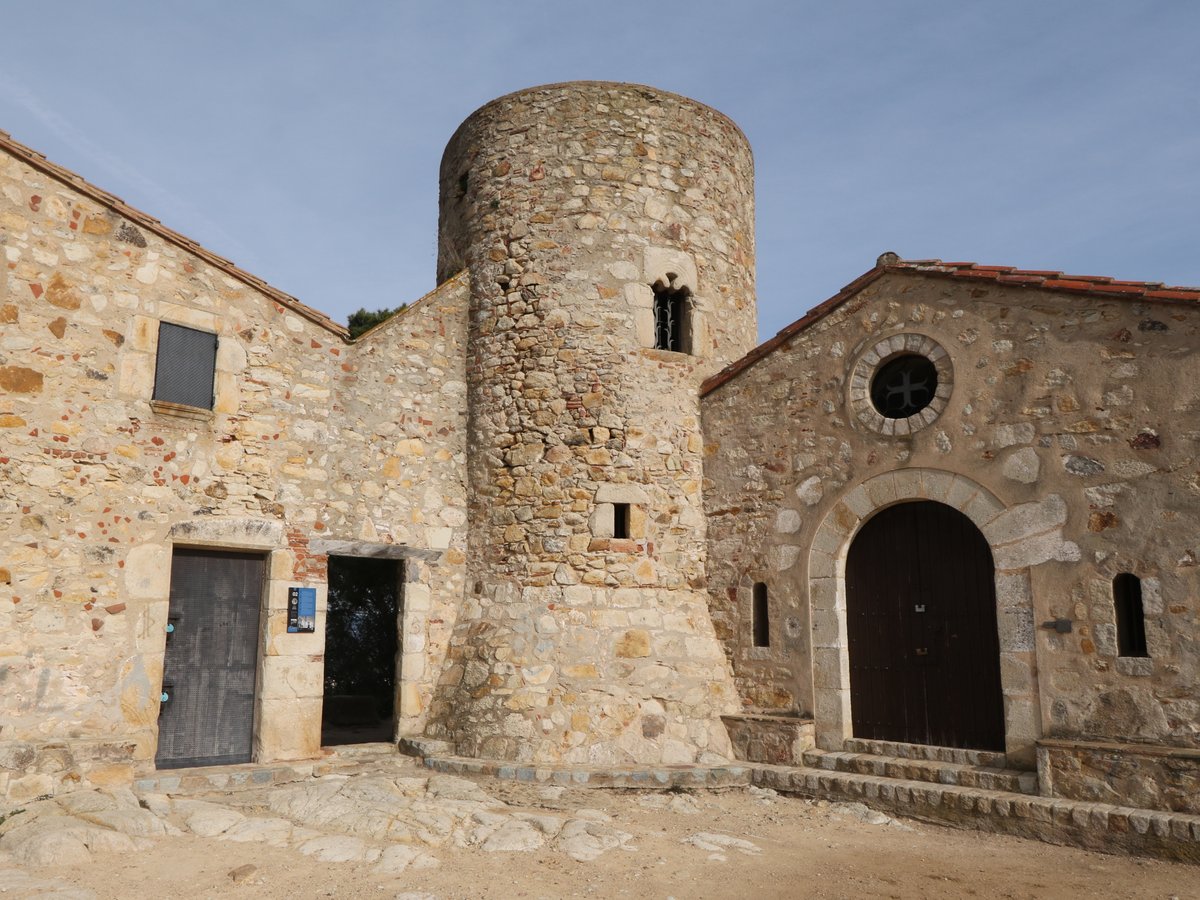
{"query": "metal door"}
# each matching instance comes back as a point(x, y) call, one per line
point(921, 623)
point(207, 714)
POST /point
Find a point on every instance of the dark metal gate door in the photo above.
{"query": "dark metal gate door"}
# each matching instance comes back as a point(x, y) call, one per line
point(921, 623)
point(207, 717)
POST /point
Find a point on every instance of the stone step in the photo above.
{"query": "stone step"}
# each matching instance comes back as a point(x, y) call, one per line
point(644, 777)
point(933, 771)
point(989, 758)
point(1092, 826)
point(363, 765)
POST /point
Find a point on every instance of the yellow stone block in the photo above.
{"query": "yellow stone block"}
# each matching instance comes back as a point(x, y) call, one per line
point(584, 670)
point(108, 776)
point(136, 375)
point(143, 335)
point(634, 644)
point(410, 447)
point(136, 706)
point(226, 394)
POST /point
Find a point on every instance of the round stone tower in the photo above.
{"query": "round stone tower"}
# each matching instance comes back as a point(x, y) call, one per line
point(608, 230)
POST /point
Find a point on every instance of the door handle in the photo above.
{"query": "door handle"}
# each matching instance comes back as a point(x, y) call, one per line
point(922, 651)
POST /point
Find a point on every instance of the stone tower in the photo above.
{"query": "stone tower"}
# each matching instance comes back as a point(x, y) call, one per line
point(608, 230)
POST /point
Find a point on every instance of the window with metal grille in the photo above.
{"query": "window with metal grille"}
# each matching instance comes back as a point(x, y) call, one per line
point(187, 363)
point(1131, 618)
point(672, 308)
point(760, 623)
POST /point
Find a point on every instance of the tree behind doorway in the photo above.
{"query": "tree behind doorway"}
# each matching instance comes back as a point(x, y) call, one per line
point(361, 640)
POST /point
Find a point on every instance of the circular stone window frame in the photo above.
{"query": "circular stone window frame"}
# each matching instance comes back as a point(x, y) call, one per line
point(883, 352)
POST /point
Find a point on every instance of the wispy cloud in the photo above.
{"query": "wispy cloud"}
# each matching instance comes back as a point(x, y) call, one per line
point(161, 202)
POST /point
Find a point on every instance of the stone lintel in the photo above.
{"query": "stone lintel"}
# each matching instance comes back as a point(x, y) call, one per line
point(371, 550)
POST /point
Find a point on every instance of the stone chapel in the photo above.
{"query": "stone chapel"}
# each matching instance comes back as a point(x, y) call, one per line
point(950, 514)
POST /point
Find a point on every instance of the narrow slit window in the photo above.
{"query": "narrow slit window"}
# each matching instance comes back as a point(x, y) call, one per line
point(760, 621)
point(1131, 618)
point(672, 316)
point(620, 520)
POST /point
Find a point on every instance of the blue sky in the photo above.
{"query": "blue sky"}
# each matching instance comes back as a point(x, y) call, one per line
point(302, 139)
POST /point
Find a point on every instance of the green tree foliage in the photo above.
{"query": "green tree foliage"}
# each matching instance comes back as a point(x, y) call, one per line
point(365, 320)
point(361, 629)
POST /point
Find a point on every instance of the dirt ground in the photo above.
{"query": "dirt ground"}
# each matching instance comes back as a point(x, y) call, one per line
point(804, 849)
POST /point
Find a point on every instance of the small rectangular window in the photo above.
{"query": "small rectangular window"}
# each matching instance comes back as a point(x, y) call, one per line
point(760, 621)
point(1131, 618)
point(620, 520)
point(186, 366)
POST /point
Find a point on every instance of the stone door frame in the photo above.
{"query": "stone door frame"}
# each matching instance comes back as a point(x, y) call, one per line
point(282, 720)
point(1014, 599)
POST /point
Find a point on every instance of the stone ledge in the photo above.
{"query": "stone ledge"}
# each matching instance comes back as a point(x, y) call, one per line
point(182, 411)
point(371, 550)
point(1092, 826)
point(1166, 778)
point(1115, 747)
point(770, 738)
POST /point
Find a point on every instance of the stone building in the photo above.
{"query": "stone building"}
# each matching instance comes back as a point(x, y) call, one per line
point(954, 506)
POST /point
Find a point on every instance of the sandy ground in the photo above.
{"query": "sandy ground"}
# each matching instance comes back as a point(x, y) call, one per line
point(804, 849)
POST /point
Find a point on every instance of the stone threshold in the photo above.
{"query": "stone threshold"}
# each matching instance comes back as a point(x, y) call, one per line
point(345, 759)
point(1092, 826)
point(239, 777)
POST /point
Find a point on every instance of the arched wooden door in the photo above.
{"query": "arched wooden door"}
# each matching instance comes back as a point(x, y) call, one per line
point(921, 622)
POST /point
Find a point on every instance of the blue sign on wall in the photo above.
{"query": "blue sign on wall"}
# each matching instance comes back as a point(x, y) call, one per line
point(302, 610)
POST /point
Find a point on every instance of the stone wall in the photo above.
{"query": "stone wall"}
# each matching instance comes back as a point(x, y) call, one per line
point(97, 481)
point(1068, 434)
point(567, 204)
point(400, 434)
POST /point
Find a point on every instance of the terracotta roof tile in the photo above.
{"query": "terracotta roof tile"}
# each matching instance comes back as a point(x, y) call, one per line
point(120, 207)
point(1099, 285)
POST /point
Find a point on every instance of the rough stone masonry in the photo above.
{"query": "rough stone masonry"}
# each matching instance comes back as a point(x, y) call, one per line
point(609, 539)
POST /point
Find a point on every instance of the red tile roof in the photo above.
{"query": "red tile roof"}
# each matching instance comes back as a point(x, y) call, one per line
point(1086, 284)
point(120, 207)
point(1096, 285)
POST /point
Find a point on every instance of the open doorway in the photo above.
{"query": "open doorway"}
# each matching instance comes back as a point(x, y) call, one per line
point(361, 641)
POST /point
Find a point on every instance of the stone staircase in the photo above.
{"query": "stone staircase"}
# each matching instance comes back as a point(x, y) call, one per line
point(915, 762)
point(976, 790)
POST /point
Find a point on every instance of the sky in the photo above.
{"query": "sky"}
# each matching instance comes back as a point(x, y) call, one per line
point(302, 139)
